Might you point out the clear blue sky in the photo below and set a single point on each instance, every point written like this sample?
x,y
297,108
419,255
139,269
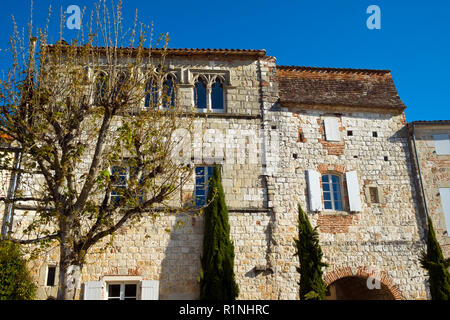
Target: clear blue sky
x,y
414,40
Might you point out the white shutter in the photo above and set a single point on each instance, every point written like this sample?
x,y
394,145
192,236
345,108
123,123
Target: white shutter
x,y
332,129
149,290
445,200
93,290
442,144
314,191
354,196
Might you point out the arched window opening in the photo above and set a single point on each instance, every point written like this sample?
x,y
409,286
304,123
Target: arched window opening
x,y
332,192
217,102
151,93
200,94
169,92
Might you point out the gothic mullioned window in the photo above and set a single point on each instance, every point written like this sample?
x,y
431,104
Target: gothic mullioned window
x,y
209,94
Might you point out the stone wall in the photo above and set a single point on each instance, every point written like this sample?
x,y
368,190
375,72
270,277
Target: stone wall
x,y
435,174
262,196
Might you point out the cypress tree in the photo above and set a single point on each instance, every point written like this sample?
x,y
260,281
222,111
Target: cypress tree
x,y
433,261
217,280
309,252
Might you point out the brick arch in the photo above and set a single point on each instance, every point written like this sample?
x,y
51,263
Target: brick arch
x,y
364,272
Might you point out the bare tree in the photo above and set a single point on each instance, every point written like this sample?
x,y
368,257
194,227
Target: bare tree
x,y
95,130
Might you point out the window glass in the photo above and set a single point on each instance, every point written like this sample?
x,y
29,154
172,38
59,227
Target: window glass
x,y
100,86
114,292
51,272
130,292
202,177
200,94
331,188
169,93
151,93
217,96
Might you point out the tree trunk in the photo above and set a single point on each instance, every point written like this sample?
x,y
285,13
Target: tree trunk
x,y
69,271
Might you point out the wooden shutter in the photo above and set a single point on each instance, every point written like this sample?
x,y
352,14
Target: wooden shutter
x,y
93,290
314,191
445,200
149,290
442,144
332,129
354,197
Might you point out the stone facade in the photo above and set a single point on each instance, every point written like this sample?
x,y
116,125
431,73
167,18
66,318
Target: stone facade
x,y
288,136
432,173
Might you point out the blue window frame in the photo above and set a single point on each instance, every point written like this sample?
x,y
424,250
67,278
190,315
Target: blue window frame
x,y
332,196
202,177
120,176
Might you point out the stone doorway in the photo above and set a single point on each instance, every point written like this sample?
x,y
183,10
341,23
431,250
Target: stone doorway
x,y
355,288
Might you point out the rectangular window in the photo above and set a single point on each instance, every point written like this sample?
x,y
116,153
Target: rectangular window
x,y
202,176
332,192
122,291
51,276
120,176
442,144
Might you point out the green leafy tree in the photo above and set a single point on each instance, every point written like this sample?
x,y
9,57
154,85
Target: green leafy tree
x,y
433,261
15,279
309,252
217,280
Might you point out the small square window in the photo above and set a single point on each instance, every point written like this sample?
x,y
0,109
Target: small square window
x,y
51,276
374,134
349,133
386,158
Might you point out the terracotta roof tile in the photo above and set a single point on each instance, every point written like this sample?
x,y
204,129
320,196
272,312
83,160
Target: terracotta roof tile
x,y
338,86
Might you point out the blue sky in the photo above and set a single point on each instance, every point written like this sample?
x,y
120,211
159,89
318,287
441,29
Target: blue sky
x,y
413,42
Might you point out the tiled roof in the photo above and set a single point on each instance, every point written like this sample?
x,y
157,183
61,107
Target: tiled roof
x,y
429,122
193,51
337,86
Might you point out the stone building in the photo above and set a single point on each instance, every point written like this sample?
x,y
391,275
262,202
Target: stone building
x,y
430,147
334,141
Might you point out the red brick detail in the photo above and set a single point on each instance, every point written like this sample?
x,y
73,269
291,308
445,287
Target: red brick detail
x,y
329,223
363,272
325,168
332,147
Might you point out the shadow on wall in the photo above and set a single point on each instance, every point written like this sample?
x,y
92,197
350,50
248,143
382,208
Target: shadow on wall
x,y
180,267
418,213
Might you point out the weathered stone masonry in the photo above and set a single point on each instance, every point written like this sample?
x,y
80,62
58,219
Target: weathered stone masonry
x,y
287,108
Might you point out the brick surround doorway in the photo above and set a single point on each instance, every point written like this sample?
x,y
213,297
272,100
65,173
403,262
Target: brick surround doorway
x,y
355,288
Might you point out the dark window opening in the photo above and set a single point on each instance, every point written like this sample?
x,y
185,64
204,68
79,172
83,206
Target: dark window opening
x,y
100,87
217,96
169,93
386,158
374,134
373,191
151,93
200,94
51,275
349,133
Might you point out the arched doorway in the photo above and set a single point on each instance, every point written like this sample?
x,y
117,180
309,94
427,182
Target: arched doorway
x,y
357,288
